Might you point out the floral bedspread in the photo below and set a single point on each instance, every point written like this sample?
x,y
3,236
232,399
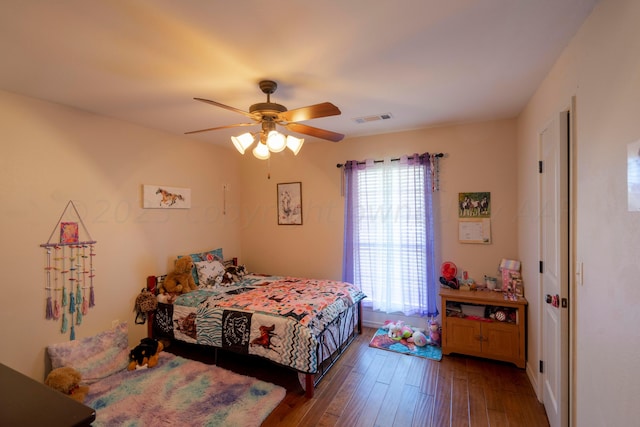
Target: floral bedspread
x,y
274,317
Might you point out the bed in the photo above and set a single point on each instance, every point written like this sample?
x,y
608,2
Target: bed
x,y
303,324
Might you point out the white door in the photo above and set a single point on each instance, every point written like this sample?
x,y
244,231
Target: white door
x,y
554,247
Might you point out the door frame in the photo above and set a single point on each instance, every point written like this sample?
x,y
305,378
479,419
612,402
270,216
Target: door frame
x,y
573,273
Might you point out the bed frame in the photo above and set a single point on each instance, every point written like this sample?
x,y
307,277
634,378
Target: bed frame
x,y
332,342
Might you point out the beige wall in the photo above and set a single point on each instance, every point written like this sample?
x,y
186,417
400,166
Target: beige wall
x,y
479,157
52,154
601,67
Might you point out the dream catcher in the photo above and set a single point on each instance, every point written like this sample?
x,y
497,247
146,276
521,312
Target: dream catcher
x,y
69,273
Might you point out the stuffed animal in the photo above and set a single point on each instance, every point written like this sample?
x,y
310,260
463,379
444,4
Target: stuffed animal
x,y
145,355
387,324
237,272
180,280
434,332
225,278
167,298
418,338
395,331
67,381
406,331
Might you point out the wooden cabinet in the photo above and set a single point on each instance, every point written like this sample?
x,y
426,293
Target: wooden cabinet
x,y
478,334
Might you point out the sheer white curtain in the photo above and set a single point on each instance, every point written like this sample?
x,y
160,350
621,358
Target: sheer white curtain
x,y
388,242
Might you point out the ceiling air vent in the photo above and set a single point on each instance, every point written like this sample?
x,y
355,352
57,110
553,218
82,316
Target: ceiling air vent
x,y
367,119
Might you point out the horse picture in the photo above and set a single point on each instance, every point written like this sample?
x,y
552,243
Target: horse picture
x,y
474,205
163,197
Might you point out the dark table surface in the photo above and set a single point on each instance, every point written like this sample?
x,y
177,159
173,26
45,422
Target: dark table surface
x,y
26,402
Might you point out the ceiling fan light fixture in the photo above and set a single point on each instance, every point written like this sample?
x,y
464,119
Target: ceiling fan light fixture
x,y
261,151
242,142
276,141
294,144
268,115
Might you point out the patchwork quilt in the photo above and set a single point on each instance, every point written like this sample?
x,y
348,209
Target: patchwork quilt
x,y
274,317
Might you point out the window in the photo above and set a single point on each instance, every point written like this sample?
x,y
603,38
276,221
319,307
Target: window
x,y
388,243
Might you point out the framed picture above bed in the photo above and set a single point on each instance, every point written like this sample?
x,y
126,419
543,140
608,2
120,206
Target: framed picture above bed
x,y
290,203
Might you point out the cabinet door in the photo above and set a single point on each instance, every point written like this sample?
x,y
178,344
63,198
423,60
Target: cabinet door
x,y
501,340
463,335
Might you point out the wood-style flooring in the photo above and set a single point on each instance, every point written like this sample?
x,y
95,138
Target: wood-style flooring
x,y
373,387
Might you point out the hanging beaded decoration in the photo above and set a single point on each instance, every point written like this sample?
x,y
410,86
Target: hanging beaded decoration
x,y
69,278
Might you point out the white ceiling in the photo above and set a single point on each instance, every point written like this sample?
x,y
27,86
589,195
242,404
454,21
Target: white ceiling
x,y
427,62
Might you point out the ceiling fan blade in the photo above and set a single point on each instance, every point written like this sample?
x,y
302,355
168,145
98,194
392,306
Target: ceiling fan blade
x,y
226,107
311,131
316,111
220,127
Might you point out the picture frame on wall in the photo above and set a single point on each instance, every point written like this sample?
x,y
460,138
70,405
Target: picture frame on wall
x,y
165,197
69,232
290,203
474,205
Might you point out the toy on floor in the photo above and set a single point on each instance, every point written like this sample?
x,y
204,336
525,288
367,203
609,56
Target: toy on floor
x,y
419,338
434,332
399,331
145,354
67,381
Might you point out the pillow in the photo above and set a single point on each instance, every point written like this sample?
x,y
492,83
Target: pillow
x,y
208,272
94,357
214,254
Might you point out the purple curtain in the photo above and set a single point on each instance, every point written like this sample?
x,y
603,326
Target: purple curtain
x,y
389,234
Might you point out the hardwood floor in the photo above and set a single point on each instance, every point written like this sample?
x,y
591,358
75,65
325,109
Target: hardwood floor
x,y
373,387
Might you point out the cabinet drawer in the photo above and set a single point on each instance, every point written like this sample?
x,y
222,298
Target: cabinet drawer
x,y
463,335
501,340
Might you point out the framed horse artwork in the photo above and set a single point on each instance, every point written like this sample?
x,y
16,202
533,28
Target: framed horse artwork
x,y
163,197
474,205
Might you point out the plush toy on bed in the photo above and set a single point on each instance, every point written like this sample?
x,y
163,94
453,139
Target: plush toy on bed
x,y
225,278
237,271
145,355
232,274
180,280
67,381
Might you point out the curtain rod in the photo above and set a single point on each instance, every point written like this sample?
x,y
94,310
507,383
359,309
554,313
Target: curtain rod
x,y
339,165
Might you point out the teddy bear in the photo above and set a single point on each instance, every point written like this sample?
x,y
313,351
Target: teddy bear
x,y
67,381
180,280
145,355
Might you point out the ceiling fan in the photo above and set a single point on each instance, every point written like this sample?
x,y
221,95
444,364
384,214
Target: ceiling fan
x,y
268,115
